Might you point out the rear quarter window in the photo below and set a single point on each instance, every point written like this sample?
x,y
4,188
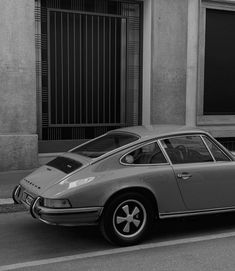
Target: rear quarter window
x,y
147,154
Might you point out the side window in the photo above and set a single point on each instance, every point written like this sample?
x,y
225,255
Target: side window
x,y
186,149
216,152
147,154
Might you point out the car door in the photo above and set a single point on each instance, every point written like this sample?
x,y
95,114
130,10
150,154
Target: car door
x,y
205,174
149,165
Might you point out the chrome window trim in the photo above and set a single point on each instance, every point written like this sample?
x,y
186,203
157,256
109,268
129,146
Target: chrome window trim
x,y
212,141
204,142
164,152
140,146
193,134
88,141
93,160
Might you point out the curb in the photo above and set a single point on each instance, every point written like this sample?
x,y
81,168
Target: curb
x,y
6,201
8,206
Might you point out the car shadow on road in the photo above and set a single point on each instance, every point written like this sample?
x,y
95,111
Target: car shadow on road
x,y
193,226
89,238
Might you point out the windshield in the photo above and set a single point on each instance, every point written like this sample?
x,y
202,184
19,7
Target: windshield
x,y
105,144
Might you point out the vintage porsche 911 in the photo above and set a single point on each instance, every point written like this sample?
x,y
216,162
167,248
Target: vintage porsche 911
x,y
127,178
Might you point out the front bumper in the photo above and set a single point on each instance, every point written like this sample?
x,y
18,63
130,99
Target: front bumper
x,y
65,217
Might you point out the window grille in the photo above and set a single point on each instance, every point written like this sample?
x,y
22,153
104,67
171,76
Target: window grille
x,y
90,67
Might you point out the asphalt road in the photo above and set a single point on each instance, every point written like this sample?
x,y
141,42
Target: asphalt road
x,y
205,243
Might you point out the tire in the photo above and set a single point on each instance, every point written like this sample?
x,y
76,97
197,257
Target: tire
x,y
127,219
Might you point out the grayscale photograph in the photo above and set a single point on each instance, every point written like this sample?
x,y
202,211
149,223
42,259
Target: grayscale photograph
x,y
117,135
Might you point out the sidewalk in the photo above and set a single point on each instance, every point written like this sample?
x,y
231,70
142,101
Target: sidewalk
x,y
8,181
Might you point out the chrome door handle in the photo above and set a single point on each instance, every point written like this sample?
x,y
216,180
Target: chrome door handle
x,y
184,176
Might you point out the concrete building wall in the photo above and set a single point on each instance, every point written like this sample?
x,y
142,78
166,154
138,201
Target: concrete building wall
x,y
171,54
169,61
18,139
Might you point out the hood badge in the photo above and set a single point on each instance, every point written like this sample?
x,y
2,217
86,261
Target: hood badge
x,y
31,183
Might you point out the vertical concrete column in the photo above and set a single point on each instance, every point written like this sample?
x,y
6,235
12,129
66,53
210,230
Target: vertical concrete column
x,y
169,58
192,63
147,51
18,139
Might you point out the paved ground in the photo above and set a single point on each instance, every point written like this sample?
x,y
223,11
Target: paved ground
x,y
200,243
205,243
193,256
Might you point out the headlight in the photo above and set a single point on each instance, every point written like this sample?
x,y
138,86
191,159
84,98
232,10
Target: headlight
x,y
56,203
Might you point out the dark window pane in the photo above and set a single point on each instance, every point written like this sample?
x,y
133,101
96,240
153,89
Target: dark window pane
x,y
105,144
148,154
216,152
186,149
64,164
219,80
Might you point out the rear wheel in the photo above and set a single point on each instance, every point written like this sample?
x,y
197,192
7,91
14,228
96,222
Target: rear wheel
x,y
127,219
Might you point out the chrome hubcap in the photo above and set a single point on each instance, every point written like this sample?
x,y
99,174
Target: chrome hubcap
x,y
129,218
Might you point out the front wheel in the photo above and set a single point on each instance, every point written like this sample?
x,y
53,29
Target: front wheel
x,y
127,219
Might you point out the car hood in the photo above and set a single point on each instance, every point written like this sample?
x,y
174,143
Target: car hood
x,y
54,172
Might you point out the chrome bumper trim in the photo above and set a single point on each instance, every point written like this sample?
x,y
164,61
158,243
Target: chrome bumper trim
x,y
15,194
69,210
66,217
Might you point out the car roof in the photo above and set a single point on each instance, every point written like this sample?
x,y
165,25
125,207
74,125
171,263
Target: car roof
x,y
152,131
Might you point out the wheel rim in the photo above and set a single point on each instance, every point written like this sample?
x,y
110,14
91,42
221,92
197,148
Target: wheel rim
x,y
129,218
